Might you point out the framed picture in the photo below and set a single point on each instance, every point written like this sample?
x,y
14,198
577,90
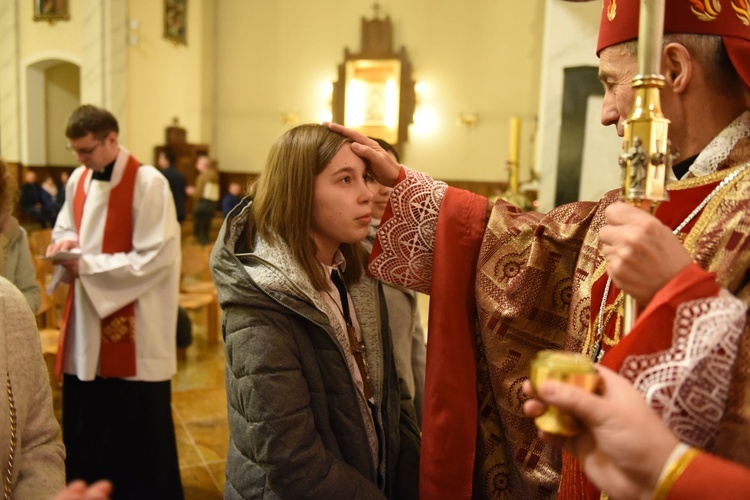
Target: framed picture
x,y
51,10
373,97
175,21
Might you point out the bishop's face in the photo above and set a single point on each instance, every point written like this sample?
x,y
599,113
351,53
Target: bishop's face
x,y
617,67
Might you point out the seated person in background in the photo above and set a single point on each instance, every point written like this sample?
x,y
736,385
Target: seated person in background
x,y
315,403
16,263
627,452
35,201
409,346
231,199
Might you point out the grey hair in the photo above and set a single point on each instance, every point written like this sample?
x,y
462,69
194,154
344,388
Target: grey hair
x,y
708,50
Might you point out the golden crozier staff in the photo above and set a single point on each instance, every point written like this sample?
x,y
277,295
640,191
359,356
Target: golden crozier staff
x,y
646,155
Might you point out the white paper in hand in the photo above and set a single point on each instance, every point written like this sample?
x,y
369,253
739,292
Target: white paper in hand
x,y
62,255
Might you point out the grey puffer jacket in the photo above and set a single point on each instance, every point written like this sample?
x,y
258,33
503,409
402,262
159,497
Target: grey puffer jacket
x,y
296,429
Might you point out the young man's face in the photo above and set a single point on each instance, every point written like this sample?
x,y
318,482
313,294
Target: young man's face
x,y
93,153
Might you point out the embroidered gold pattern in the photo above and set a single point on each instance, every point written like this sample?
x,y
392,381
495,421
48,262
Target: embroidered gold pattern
x,y
692,182
706,218
118,329
709,211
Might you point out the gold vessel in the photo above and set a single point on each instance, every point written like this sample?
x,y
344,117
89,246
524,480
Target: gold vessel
x,y
569,368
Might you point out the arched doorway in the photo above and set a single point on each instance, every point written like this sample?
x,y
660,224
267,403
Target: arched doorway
x,y
53,91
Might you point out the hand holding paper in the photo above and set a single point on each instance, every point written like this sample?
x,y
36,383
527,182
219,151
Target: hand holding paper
x,y
63,255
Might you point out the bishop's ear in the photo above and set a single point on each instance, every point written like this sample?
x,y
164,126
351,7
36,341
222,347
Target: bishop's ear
x,y
677,66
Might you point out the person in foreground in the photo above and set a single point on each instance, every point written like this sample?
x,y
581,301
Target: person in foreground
x,y
117,343
530,281
627,451
33,458
314,400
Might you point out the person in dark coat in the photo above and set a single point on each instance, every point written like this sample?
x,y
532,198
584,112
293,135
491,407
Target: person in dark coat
x,y
231,199
176,179
35,201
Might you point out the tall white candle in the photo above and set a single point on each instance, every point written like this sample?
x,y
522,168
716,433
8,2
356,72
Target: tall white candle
x,y
513,147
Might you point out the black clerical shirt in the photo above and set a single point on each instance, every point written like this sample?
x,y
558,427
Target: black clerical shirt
x,y
105,175
681,168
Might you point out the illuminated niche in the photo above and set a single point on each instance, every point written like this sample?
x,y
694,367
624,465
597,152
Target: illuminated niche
x,y
375,93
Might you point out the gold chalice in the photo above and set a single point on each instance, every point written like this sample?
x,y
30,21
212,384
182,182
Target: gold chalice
x,y
569,368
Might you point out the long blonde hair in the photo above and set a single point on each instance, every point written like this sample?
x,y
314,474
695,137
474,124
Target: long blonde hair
x,y
283,197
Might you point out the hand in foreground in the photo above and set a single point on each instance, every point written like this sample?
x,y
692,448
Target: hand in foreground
x,y
642,253
624,444
77,490
384,168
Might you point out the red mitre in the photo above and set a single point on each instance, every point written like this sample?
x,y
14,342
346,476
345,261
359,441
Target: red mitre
x,y
729,19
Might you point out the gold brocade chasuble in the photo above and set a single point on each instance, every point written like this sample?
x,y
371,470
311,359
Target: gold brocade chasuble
x,y
505,284
528,300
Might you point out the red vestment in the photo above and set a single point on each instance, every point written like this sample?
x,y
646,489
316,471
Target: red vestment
x,y
532,290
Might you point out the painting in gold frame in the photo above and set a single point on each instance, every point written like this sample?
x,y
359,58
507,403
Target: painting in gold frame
x,y
51,10
373,97
175,21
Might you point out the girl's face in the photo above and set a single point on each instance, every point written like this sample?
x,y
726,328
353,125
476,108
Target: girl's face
x,y
380,194
341,211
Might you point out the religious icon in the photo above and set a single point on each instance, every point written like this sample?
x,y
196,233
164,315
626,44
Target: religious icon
x,y
175,21
51,10
373,97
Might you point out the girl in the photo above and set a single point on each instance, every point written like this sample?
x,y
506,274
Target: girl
x,y
315,408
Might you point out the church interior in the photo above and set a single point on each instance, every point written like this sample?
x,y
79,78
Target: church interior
x,y
492,96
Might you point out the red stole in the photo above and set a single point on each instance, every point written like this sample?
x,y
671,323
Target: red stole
x,y
117,355
653,329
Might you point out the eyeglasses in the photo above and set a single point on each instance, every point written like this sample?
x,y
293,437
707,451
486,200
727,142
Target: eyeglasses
x,y
83,151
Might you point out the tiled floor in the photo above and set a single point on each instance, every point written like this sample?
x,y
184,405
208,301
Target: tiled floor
x,y
199,409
